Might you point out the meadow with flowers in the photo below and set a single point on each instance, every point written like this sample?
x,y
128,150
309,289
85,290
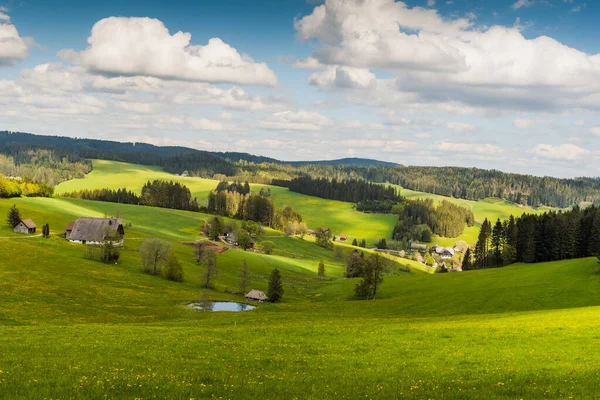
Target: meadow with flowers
x,y
76,328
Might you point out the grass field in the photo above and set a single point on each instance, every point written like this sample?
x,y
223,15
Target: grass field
x,y
339,216
75,328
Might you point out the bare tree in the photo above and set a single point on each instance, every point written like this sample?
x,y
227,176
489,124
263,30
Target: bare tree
x,y
199,247
153,252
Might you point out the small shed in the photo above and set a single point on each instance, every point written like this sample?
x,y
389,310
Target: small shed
x,y
26,226
256,295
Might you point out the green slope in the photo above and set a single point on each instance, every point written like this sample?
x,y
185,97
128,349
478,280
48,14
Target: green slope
x,y
336,215
74,328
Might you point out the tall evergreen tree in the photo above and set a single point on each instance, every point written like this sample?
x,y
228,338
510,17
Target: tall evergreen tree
x,y
14,216
467,263
275,290
496,242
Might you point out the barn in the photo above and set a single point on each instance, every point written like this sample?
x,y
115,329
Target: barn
x,y
89,230
26,226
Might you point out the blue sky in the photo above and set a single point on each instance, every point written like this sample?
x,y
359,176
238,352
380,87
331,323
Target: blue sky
x,y
512,85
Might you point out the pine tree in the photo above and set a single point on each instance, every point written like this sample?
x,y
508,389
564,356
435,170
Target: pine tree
x,y
467,263
321,272
594,237
354,242
244,279
14,216
275,290
497,235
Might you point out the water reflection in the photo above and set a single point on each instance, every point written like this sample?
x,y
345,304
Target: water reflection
x,y
222,306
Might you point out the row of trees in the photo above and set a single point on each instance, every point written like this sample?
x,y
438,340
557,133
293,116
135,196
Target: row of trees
x,y
234,186
122,196
352,190
419,219
532,238
10,187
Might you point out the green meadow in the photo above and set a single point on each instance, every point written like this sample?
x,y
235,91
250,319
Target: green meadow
x,y
76,328
339,216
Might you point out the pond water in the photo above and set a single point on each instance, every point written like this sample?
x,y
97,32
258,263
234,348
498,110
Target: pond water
x,y
223,306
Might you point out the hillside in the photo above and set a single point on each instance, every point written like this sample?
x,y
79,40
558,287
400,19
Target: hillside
x,y
65,313
336,215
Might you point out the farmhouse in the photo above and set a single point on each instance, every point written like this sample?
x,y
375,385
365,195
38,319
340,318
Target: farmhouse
x,y
256,295
232,239
26,226
443,252
88,230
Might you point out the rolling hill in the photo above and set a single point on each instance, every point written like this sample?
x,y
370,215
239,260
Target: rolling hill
x,y
75,328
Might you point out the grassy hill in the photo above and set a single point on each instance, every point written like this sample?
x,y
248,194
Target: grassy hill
x,y
75,328
336,215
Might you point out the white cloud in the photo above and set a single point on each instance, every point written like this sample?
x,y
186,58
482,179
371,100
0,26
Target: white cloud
x,y
564,152
137,107
343,77
296,121
437,61
13,47
522,3
470,148
388,146
206,124
595,130
430,3
460,127
144,46
527,123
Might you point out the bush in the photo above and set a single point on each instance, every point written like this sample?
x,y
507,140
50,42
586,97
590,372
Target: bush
x,y
268,247
173,268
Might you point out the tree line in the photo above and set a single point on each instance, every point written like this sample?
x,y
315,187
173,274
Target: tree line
x,y
419,219
352,190
156,194
463,183
10,187
530,238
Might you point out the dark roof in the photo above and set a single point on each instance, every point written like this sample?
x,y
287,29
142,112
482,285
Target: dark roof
x,y
94,229
29,223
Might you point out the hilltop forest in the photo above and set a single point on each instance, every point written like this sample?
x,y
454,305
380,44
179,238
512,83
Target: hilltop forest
x,y
68,158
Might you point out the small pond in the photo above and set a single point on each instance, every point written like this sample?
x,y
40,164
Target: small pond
x,y
223,306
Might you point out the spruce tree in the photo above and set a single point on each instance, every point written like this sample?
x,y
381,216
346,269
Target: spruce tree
x,y
467,263
275,290
14,216
497,234
321,272
354,242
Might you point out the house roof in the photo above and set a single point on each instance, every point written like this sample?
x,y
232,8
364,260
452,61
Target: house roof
x,y
94,229
69,226
442,250
29,223
256,295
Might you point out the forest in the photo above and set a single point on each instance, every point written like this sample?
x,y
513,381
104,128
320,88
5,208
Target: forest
x,y
156,194
463,183
530,238
10,187
419,219
352,190
235,200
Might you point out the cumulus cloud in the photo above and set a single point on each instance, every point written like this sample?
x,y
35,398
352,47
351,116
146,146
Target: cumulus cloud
x,y
296,121
439,61
143,46
522,3
563,152
13,47
470,148
460,127
343,77
520,123
206,124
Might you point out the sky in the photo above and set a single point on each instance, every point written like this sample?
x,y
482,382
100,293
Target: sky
x,y
511,85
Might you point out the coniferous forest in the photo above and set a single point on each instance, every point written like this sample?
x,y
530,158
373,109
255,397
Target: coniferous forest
x,y
551,236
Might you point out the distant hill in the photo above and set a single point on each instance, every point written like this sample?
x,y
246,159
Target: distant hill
x,y
359,162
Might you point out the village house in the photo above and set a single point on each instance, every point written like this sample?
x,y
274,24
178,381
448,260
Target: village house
x,y
26,226
88,230
256,295
443,252
232,239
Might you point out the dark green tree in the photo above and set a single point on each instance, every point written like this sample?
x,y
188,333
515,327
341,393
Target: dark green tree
x,y
244,240
467,263
321,271
275,290
14,216
354,242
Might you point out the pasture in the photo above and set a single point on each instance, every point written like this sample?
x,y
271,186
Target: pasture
x,y
339,216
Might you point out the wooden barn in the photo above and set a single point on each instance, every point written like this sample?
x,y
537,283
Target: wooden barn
x,y
88,230
26,226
